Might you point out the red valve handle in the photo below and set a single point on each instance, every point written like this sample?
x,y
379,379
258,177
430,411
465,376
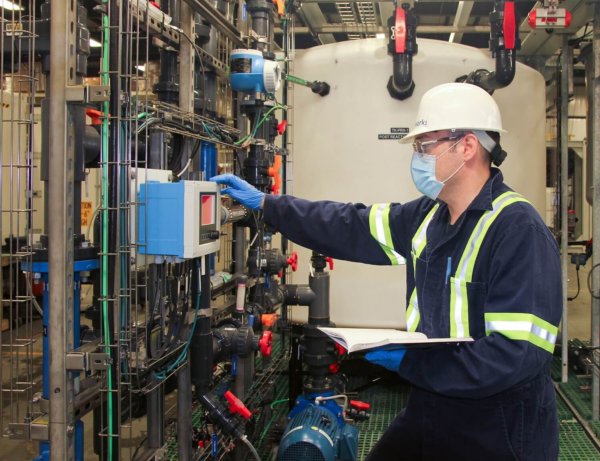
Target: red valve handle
x,y
266,343
293,261
360,405
509,26
236,405
400,30
330,262
282,127
95,115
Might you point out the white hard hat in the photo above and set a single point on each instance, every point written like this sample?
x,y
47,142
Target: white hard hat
x,y
456,106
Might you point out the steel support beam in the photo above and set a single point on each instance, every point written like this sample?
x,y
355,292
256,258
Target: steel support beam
x,y
595,114
461,19
215,18
385,11
186,103
312,15
60,228
374,29
565,58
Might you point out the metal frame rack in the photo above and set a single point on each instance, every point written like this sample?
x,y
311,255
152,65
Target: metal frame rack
x,y
151,103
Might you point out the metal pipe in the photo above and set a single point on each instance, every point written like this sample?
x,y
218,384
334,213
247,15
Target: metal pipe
x,y
595,104
564,185
186,103
155,417
60,231
184,412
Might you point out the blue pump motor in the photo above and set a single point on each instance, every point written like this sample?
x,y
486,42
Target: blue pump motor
x,y
252,73
317,434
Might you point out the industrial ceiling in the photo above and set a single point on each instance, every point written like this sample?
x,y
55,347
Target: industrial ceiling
x,y
328,21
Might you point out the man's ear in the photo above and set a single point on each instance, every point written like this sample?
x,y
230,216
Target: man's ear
x,y
471,147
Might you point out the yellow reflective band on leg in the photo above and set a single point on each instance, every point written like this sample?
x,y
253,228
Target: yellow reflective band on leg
x,y
524,327
379,225
412,313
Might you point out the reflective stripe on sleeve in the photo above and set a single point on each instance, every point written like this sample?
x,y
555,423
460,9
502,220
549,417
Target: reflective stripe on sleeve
x,y
525,327
419,242
379,224
412,312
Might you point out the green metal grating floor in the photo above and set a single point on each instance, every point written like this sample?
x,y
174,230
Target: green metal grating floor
x,y
388,399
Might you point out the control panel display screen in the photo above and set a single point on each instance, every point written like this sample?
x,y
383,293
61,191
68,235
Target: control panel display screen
x,y
208,215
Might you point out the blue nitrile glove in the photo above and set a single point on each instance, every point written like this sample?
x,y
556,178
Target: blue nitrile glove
x,y
390,359
247,195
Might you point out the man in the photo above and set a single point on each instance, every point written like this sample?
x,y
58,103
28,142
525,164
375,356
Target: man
x,y
480,263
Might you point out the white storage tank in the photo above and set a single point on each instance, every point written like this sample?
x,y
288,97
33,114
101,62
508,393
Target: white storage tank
x,y
342,150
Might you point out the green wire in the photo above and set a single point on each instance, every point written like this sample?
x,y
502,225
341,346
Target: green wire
x,y
259,124
278,402
104,286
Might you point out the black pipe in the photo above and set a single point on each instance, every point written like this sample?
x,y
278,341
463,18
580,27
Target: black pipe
x,y
202,342
298,295
506,58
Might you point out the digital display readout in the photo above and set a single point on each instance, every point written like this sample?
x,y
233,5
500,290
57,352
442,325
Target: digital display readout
x,y
207,209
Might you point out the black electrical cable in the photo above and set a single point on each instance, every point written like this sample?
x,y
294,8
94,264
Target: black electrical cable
x,y
589,281
578,286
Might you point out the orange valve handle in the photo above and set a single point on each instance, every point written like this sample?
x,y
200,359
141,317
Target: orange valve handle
x,y
293,261
266,343
268,320
274,172
237,406
95,115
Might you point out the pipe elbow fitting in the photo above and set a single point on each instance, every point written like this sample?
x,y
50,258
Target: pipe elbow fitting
x,y
401,85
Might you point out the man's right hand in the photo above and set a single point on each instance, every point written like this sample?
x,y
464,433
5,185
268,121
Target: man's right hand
x,y
240,190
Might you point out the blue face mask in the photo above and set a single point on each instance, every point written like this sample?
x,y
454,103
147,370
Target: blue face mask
x,y
422,170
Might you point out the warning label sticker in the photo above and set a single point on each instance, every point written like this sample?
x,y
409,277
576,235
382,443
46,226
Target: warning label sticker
x,y
86,212
395,133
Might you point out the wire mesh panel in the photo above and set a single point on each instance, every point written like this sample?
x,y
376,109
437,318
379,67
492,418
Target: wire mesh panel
x,y
19,320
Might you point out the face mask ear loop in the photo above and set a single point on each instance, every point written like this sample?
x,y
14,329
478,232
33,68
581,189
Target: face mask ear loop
x,y
455,171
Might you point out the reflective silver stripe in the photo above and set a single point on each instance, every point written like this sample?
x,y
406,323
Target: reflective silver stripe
x,y
512,325
475,236
458,309
524,327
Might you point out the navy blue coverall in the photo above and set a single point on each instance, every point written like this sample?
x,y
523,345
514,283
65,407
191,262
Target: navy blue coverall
x,y
491,399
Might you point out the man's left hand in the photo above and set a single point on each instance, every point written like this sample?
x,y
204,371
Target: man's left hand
x,y
390,359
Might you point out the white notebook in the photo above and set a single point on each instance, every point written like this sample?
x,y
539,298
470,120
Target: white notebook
x,y
358,339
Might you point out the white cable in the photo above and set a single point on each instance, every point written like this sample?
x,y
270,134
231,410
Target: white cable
x,y
33,300
333,397
187,165
250,447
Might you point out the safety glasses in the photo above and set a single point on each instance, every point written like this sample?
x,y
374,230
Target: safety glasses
x,y
424,147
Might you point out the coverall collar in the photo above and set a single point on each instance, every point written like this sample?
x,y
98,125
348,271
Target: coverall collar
x,y
483,200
